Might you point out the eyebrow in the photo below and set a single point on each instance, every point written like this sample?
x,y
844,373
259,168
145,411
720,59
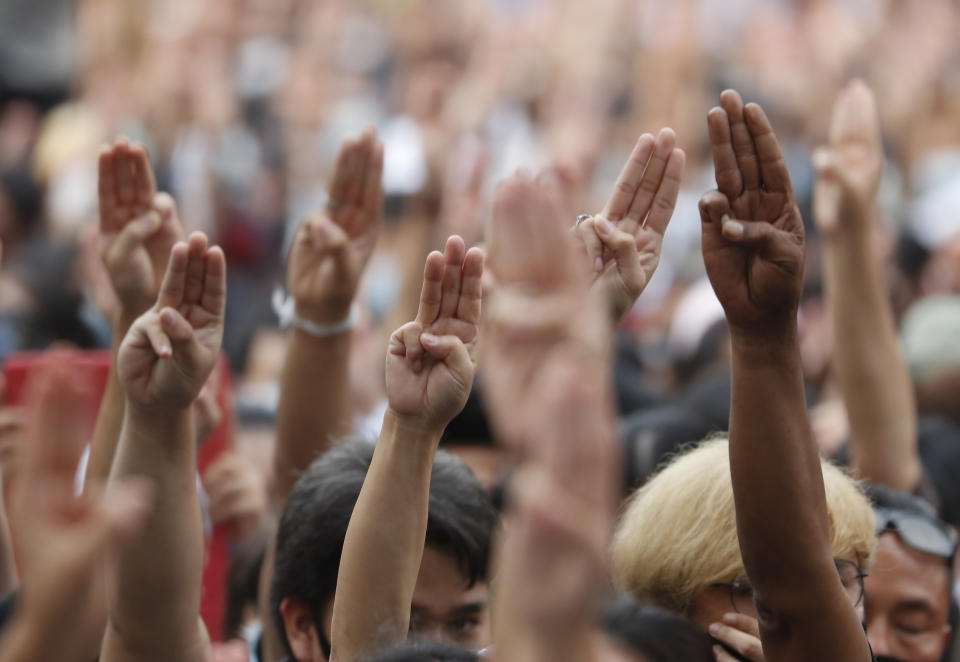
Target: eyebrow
x,y
470,608
914,605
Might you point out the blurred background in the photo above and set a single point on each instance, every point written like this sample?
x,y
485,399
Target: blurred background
x,y
243,103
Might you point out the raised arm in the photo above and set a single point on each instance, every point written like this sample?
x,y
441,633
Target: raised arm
x,y
61,539
873,376
623,241
327,258
163,363
753,246
430,366
546,361
138,227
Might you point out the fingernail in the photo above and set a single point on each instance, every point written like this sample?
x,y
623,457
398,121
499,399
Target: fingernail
x,y
730,619
598,264
717,650
417,365
429,339
714,629
605,226
165,351
731,228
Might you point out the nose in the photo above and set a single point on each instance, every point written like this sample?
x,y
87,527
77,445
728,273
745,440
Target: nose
x,y
877,635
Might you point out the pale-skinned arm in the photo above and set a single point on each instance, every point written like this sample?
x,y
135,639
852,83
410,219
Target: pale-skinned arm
x,y
429,373
872,373
138,227
163,364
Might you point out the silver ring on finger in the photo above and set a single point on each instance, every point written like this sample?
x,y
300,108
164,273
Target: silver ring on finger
x,y
581,218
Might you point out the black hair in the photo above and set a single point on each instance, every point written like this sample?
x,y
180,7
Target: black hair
x,y
426,652
243,581
461,521
884,497
655,633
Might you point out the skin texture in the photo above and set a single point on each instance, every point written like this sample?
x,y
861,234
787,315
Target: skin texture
x,y
907,602
548,370
61,539
752,240
429,373
872,374
624,240
445,609
328,256
163,364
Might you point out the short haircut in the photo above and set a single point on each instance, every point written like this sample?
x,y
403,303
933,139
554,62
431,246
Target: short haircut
x,y
656,634
461,522
678,534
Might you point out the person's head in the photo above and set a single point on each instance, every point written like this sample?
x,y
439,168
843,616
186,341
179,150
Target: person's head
x,y
676,543
639,633
909,587
450,601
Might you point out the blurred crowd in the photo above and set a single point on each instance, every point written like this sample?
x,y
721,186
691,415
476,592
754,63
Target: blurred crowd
x,y
243,107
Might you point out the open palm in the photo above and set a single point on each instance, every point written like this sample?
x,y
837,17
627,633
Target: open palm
x,y
331,249
430,361
170,350
752,231
138,226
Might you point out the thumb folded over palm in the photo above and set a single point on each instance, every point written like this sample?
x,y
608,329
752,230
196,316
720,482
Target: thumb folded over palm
x,y
431,360
752,233
170,350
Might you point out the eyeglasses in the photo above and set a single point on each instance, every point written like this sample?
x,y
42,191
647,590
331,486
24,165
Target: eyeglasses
x,y
923,533
742,598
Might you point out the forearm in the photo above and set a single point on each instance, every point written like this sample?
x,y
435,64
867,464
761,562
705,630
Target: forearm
x,y
106,432
314,406
873,376
384,543
777,482
23,642
8,567
167,559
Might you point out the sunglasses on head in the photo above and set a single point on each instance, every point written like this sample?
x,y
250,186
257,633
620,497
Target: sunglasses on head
x,y
920,532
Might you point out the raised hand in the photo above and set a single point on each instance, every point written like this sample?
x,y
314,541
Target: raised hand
x,y
170,350
61,538
431,360
624,240
850,166
138,226
331,248
542,299
752,231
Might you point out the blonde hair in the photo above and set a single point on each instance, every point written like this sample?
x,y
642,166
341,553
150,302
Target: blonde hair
x,y
678,534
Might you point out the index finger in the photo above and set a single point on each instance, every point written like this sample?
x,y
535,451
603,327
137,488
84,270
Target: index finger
x,y
431,293
727,172
174,281
773,167
626,187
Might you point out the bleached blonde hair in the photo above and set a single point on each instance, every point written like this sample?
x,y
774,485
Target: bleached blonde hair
x,y
678,534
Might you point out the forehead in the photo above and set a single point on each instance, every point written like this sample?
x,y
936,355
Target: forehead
x,y
902,573
441,587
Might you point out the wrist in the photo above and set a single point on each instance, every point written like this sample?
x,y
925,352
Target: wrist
x,y
769,342
157,415
323,314
415,428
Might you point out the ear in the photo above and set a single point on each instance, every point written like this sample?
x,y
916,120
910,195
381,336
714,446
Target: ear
x,y
301,632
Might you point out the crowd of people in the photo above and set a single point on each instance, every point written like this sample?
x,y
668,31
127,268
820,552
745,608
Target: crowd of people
x,y
497,367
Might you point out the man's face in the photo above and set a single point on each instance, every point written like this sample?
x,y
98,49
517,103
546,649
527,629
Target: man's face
x,y
907,602
444,608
